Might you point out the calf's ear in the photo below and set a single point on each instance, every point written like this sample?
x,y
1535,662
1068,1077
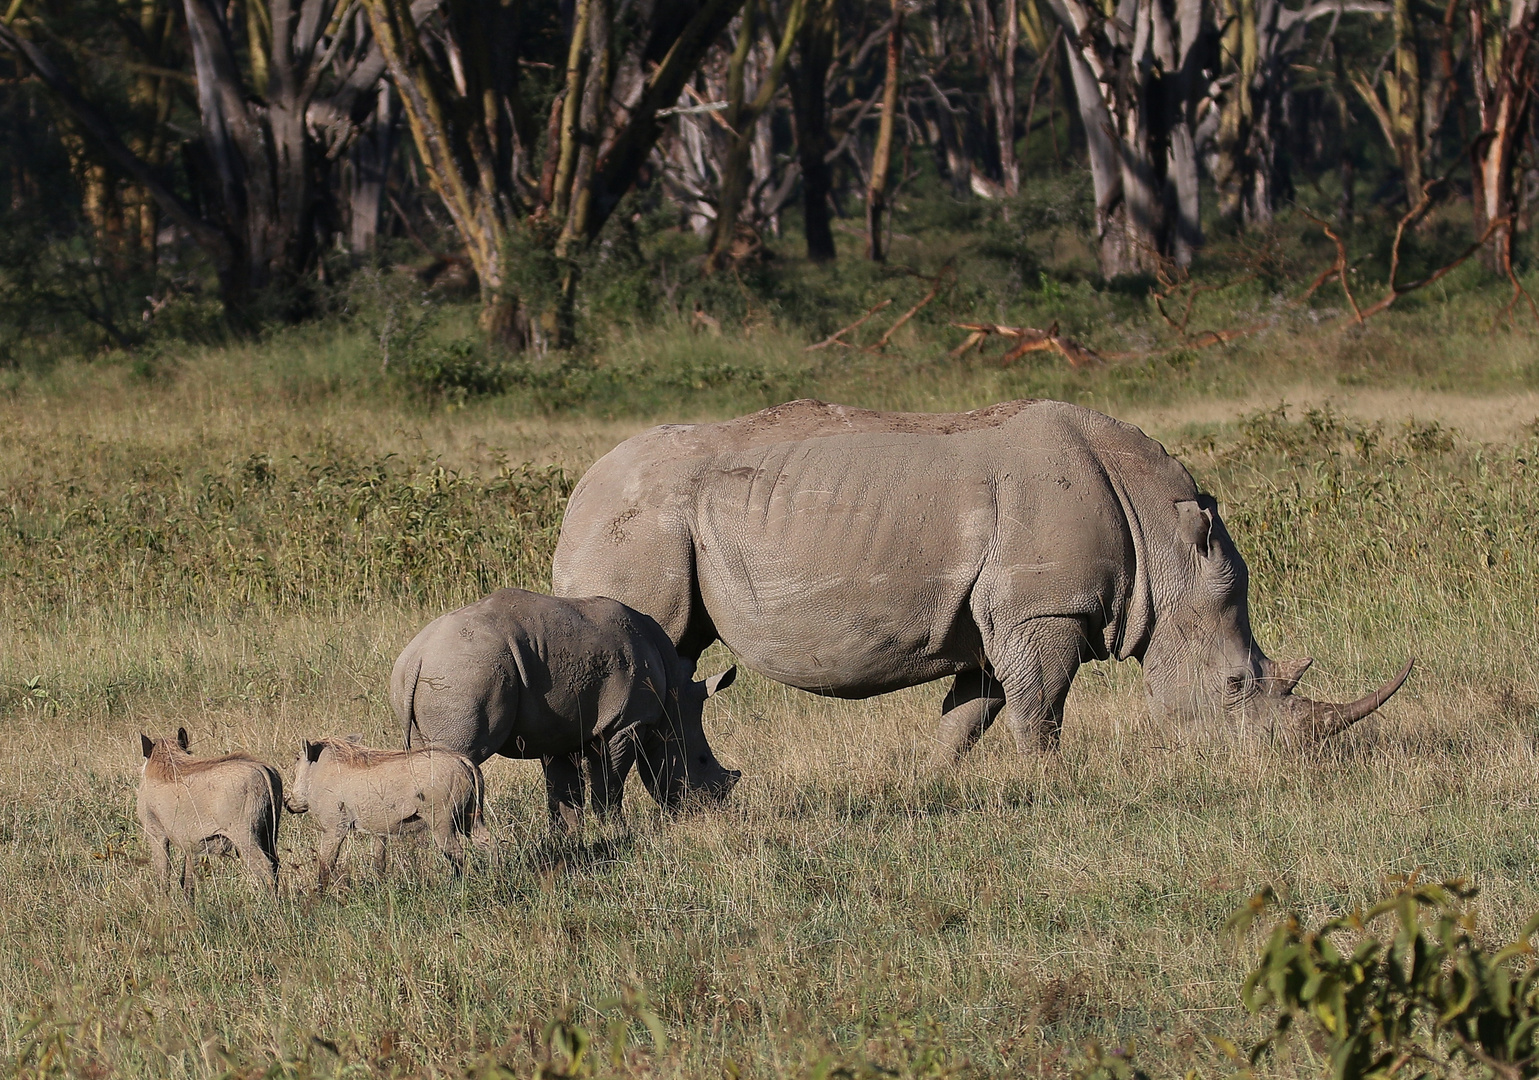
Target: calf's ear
x,y
147,743
717,683
313,751
182,740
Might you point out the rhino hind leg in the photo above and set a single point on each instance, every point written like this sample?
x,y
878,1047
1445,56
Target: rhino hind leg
x,y
966,713
564,792
1036,663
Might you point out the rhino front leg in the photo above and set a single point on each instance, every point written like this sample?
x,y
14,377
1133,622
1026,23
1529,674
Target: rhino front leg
x,y
1036,663
564,792
609,763
966,713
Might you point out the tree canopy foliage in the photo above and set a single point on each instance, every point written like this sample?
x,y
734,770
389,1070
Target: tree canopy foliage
x,y
240,151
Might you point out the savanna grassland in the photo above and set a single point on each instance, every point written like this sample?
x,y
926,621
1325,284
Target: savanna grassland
x,y
240,538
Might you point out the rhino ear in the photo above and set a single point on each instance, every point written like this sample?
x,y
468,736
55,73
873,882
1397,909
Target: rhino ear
x,y
147,743
313,751
717,683
1194,525
182,740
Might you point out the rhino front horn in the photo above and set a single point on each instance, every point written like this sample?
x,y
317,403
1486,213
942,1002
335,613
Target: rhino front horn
x,y
1317,721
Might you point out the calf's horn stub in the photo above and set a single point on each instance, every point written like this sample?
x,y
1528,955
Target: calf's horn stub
x,y
1316,721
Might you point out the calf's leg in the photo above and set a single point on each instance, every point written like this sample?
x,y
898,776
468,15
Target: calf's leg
x,y
966,713
609,763
1035,663
564,792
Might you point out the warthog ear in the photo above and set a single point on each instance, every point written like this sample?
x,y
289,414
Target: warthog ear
x,y
1194,525
313,750
354,739
147,743
182,740
717,683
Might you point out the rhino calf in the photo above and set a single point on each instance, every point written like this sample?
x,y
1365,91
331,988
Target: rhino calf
x,y
208,806
568,681
351,788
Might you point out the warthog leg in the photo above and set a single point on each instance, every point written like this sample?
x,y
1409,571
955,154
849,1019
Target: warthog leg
x,y
160,858
326,859
564,792
966,713
1035,663
446,837
260,863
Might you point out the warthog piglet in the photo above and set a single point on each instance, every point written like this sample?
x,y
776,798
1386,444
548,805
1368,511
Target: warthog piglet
x,y
208,806
384,793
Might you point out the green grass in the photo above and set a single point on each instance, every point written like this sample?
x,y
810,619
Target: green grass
x,y
241,539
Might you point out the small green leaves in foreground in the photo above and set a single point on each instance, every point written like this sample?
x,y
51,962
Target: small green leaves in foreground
x,y
1406,990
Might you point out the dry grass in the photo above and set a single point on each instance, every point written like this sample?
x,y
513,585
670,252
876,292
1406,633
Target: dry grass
x,y
845,902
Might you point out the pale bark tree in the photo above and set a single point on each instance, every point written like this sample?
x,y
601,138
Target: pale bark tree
x,y
1502,65
742,118
269,113
881,156
1139,80
1393,94
1262,41
456,67
996,40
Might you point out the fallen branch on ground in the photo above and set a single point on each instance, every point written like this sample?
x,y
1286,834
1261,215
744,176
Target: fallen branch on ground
x,y
1030,340
935,288
833,339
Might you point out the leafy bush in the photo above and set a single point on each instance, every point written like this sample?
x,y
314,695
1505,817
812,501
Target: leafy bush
x,y
453,371
1409,988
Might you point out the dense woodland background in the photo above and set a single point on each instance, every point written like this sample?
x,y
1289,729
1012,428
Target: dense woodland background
x,y
177,169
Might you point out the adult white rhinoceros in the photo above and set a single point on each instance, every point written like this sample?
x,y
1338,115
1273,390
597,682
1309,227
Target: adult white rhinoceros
x,y
850,552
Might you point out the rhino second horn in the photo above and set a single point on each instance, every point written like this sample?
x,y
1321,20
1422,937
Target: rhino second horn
x,y
1320,720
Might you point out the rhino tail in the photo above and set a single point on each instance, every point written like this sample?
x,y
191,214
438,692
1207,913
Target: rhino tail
x,y
409,714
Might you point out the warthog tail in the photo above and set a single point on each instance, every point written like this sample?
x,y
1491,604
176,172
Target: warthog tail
x,y
410,719
275,807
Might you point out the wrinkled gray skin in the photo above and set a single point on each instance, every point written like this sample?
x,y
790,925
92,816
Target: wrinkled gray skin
x,y
350,788
227,805
851,553
564,680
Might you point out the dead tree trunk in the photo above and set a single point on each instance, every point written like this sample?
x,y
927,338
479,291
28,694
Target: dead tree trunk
x,y
809,105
